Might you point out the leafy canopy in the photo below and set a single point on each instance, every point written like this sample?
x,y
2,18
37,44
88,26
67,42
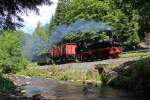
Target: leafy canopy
x,y
11,45
121,15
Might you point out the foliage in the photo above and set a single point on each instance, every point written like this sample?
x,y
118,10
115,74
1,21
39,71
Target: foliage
x,y
32,65
147,39
103,36
11,45
123,16
11,10
132,42
71,37
27,47
40,38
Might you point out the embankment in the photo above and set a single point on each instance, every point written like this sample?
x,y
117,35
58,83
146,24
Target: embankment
x,y
133,75
75,72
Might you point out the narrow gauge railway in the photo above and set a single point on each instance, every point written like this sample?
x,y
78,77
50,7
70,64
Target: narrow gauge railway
x,y
91,49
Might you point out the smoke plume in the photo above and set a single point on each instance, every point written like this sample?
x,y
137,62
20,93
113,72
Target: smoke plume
x,y
80,25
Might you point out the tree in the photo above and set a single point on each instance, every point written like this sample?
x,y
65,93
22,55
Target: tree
x,y
124,22
40,39
147,39
142,7
71,37
11,45
11,11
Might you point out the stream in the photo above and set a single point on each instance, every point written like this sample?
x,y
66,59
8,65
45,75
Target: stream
x,y
52,89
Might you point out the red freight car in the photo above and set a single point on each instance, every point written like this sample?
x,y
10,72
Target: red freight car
x,y
63,51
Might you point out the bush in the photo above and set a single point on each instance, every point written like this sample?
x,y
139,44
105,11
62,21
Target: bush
x,y
22,64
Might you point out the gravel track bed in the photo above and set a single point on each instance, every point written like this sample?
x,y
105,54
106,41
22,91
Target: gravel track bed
x,y
90,65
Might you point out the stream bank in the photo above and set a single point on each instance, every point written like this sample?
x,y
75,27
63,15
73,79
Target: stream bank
x,y
131,75
51,89
77,81
79,74
74,72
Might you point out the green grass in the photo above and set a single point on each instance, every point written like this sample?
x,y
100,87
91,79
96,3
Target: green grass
x,y
32,65
62,74
140,54
33,73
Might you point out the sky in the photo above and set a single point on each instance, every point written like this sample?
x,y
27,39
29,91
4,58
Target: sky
x,y
32,19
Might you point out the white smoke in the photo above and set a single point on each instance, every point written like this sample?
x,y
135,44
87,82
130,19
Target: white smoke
x,y
80,25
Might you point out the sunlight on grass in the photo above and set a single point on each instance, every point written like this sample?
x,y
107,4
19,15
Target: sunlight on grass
x,y
55,72
140,54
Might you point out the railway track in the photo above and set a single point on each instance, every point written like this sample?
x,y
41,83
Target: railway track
x,y
89,65
136,51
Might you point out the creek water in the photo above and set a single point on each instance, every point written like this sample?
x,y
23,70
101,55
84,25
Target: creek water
x,y
60,90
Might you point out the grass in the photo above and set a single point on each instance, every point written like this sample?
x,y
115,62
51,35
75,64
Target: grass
x,y
33,73
33,65
138,54
55,72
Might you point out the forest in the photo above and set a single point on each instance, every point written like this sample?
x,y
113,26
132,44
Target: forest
x,y
128,19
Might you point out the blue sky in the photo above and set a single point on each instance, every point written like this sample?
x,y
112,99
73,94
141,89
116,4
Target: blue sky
x,y
46,13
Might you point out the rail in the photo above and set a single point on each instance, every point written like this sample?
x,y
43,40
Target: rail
x,y
137,51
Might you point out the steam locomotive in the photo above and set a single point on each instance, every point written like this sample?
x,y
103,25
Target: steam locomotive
x,y
90,49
